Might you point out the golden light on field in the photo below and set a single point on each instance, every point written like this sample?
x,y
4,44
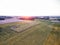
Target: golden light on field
x,y
26,17
27,21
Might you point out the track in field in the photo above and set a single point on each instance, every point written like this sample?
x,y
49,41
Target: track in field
x,y
32,36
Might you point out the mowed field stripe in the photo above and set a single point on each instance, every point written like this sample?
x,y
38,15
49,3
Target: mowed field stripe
x,y
27,33
21,33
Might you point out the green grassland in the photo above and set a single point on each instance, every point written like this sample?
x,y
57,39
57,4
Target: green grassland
x,y
41,34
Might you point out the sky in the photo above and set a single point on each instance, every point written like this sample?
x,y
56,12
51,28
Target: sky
x,y
30,7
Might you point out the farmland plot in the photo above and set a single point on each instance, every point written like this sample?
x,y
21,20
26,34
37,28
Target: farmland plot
x,y
35,35
39,34
20,28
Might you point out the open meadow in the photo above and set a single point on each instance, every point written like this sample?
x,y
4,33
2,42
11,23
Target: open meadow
x,y
42,33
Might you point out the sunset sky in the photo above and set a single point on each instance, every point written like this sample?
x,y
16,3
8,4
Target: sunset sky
x,y
30,7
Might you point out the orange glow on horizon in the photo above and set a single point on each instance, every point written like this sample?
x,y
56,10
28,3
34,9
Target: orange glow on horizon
x,y
26,17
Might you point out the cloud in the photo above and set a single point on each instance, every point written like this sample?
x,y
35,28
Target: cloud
x,y
29,7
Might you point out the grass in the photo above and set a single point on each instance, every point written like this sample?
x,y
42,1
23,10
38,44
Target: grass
x,y
54,36
56,24
35,32
6,32
37,35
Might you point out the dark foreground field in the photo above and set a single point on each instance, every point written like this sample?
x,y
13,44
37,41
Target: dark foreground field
x,y
44,33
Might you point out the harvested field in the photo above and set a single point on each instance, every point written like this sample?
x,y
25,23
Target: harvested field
x,y
20,28
39,34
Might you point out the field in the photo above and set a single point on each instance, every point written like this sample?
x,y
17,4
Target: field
x,y
40,34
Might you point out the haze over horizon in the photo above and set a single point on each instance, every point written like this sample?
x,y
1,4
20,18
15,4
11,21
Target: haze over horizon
x,y
30,7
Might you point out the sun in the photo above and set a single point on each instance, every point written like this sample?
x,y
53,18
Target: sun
x,y
26,17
